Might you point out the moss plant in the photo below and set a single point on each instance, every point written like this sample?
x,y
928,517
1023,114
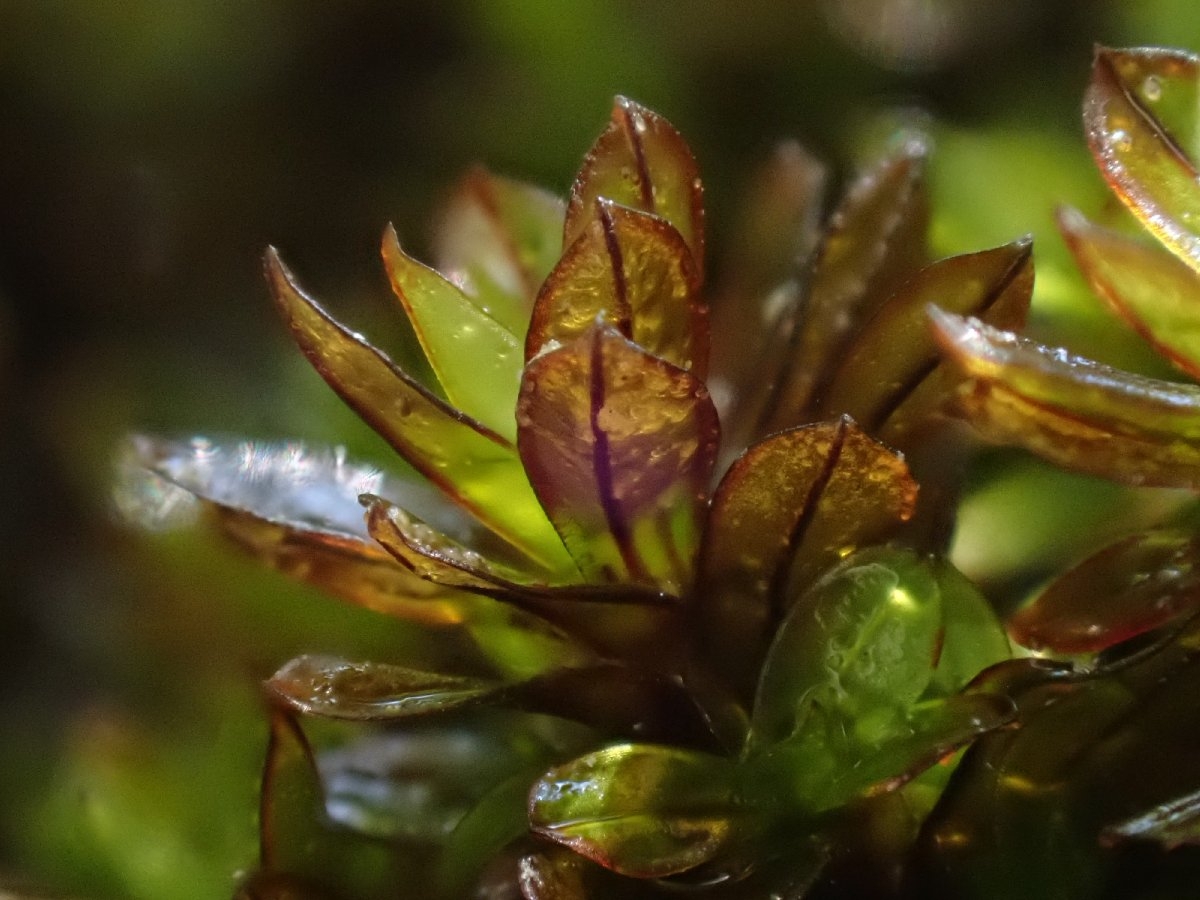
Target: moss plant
x,y
692,537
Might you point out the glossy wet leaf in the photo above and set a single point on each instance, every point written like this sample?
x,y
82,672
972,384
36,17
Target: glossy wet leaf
x,y
476,467
642,162
619,446
1136,151
498,240
874,242
860,644
476,359
894,357
1172,824
1073,411
972,637
639,809
333,688
833,760
786,510
632,271
1133,586
1152,290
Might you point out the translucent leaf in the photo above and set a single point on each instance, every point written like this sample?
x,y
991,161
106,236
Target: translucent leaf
x,y
894,355
972,638
639,809
874,242
473,465
1133,586
291,804
1072,411
338,689
547,875
861,644
1172,824
1136,151
476,359
498,239
785,511
640,161
1152,290
297,510
620,446
632,271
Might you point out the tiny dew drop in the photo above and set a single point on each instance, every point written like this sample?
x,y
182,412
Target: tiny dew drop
x,y
1152,88
1122,140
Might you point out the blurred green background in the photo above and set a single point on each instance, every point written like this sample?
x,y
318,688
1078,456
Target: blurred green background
x,y
152,150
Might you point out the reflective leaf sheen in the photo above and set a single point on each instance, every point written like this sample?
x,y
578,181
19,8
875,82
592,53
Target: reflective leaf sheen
x,y
1131,587
473,465
640,161
1152,290
633,271
1072,411
498,240
641,810
787,509
338,689
1172,824
619,446
894,355
476,359
1136,152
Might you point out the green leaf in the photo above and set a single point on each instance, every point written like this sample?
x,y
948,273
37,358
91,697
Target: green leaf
x,y
875,241
338,689
1152,290
1140,583
1136,151
1073,411
640,161
972,638
476,359
860,645
639,809
473,465
292,803
498,239
785,511
893,360
619,446
633,271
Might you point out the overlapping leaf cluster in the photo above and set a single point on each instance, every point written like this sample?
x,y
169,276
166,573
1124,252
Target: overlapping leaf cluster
x,y
701,661
1099,791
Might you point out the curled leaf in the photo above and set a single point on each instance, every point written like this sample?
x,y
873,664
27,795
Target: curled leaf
x,y
633,271
1152,290
1073,411
338,689
894,357
619,446
498,239
786,510
640,161
1137,153
473,465
1133,586
641,810
476,359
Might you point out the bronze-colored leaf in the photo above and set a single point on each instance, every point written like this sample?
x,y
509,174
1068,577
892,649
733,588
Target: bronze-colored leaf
x,y
498,239
1133,586
371,692
642,162
291,803
553,874
476,359
1138,155
473,465
874,243
786,510
620,446
894,355
1073,411
633,271
1151,290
